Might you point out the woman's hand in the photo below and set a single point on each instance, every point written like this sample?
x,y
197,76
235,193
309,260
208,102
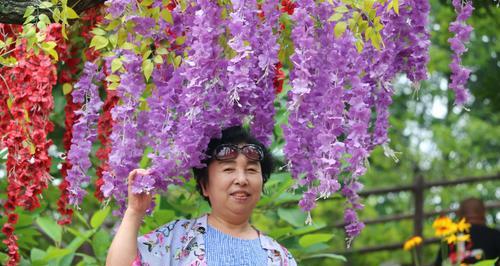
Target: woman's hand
x,y
138,204
123,249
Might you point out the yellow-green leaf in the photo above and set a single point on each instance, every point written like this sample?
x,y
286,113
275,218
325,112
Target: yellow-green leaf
x,y
99,42
70,13
340,28
48,47
113,24
113,78
335,17
359,45
147,68
158,59
146,3
67,88
45,5
180,40
368,33
32,146
167,16
9,103
56,15
116,64
98,31
395,4
29,10
44,18
113,86
26,116
177,61
341,9
127,46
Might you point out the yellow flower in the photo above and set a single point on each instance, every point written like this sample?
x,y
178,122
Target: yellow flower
x,y
451,239
463,238
412,242
444,226
463,226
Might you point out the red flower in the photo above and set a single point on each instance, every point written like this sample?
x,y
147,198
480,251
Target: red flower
x,y
7,229
288,6
12,218
279,78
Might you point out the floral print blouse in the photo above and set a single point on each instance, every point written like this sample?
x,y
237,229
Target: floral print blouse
x,y
181,242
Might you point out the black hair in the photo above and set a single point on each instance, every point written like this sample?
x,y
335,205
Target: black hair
x,y
232,135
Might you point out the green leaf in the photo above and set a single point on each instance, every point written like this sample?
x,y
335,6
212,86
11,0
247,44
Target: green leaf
x,y
294,217
100,243
37,254
340,28
99,42
116,64
51,228
311,239
147,68
99,217
486,263
29,10
56,253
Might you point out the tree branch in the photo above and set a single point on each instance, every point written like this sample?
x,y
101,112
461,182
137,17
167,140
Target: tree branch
x,y
12,11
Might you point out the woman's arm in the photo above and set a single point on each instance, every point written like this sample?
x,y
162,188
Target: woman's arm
x,y
123,249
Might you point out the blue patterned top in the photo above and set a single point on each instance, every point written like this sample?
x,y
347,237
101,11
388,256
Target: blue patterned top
x,y
182,243
226,250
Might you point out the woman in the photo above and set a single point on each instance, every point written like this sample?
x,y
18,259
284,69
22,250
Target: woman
x,y
238,165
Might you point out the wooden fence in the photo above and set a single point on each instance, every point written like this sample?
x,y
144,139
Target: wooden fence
x,y
417,189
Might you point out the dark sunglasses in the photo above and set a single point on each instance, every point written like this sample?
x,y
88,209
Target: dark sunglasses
x,y
227,152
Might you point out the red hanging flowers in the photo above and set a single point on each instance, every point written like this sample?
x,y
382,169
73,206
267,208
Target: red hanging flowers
x,y
27,102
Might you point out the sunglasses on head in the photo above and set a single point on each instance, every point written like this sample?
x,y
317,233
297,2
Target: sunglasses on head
x,y
227,152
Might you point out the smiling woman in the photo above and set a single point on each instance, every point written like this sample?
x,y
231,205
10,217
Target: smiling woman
x,y
237,166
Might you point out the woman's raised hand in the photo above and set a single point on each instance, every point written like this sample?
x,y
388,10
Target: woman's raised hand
x,y
138,204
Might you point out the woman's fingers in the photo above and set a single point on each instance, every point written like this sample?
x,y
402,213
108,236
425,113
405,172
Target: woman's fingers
x,y
134,173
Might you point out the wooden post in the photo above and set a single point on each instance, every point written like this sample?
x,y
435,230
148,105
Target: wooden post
x,y
418,221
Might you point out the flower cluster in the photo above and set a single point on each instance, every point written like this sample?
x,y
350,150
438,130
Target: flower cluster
x,y
85,92
459,73
27,87
180,114
454,235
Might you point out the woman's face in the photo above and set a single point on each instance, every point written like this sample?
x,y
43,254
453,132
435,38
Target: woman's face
x,y
234,186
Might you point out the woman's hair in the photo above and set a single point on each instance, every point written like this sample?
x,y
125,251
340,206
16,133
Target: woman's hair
x,y
232,135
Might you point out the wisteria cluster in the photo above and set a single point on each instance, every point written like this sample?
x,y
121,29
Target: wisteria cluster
x,y
84,131
339,133
459,73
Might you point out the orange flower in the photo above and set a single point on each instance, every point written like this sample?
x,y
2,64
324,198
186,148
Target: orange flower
x,y
412,242
444,226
